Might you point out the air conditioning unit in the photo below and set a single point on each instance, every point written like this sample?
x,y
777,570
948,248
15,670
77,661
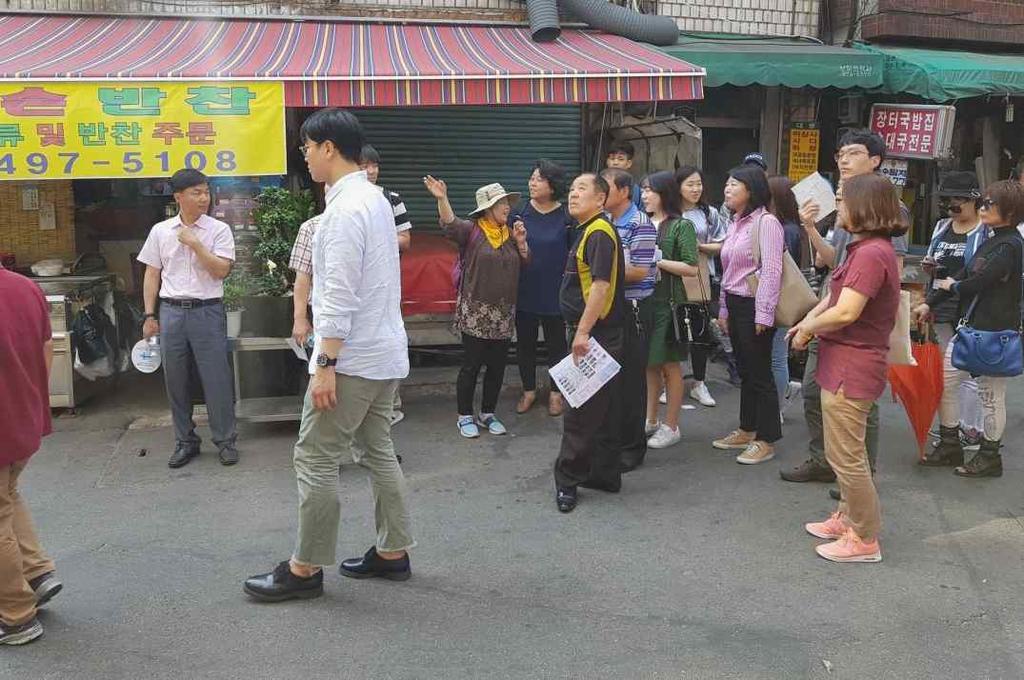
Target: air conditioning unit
x,y
851,109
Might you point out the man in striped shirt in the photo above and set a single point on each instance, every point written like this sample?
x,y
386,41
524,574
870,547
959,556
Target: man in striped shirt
x,y
639,239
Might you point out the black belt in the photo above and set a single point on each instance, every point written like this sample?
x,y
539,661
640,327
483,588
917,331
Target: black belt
x,y
190,304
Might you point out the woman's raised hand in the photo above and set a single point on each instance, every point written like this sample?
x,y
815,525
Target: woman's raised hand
x,y
437,187
519,232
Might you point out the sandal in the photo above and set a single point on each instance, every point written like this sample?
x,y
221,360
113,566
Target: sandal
x,y
556,404
526,402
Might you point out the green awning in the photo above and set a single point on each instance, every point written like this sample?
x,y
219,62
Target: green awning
x,y
738,60
942,75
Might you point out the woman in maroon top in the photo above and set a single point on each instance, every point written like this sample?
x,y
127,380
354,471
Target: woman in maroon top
x,y
853,326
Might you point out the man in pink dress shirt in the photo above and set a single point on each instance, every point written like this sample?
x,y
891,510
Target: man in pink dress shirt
x,y
187,258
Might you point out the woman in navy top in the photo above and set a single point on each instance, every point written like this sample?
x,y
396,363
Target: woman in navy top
x,y
547,224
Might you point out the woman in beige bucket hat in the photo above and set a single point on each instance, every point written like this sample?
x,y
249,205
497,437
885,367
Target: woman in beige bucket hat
x,y
490,256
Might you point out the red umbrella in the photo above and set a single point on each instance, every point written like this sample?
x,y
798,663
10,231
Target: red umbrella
x,y
919,388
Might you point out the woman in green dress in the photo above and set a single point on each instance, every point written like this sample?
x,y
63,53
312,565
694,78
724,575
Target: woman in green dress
x,y
677,244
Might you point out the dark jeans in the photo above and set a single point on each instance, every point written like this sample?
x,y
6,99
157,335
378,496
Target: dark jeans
x,y
759,402
477,353
527,325
591,440
634,382
812,414
704,345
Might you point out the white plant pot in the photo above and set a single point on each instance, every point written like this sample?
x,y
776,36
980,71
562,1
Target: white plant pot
x,y
234,323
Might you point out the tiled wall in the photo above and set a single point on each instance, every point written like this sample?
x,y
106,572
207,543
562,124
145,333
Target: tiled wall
x,y
749,17
19,229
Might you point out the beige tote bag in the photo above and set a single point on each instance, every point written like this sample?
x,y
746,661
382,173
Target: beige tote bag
x,y
796,297
900,353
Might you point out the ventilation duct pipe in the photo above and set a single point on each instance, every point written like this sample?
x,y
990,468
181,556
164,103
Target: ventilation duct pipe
x,y
601,14
543,20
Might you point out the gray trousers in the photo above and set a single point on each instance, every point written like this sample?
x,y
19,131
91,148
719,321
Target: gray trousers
x,y
363,417
812,414
199,333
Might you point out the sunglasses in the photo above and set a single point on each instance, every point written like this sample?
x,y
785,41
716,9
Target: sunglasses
x,y
987,203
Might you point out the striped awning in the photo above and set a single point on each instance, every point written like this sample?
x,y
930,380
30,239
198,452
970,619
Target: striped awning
x,y
349,64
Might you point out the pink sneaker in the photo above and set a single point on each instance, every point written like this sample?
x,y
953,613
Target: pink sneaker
x,y
851,548
832,528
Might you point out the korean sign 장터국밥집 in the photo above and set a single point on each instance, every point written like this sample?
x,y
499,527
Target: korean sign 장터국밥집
x,y
923,131
64,130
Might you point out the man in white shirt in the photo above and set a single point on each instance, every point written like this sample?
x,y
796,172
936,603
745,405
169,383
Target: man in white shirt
x,y
187,258
360,353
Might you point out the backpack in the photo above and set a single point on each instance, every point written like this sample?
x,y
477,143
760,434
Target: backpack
x,y
474,236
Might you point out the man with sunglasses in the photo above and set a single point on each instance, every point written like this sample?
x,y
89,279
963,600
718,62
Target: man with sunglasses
x,y
860,152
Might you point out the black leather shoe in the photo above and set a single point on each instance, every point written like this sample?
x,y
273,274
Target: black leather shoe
x,y
183,453
629,465
809,471
565,498
281,584
228,455
45,587
834,494
372,565
609,487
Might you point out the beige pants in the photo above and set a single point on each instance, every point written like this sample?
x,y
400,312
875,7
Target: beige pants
x,y
846,422
21,557
326,438
991,395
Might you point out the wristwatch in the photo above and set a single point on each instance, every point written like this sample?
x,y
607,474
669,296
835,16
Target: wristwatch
x,y
148,315
323,361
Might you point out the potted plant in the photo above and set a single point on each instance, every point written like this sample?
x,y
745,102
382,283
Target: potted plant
x,y
237,285
278,215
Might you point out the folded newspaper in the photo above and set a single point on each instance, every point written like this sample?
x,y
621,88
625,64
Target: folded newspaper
x,y
580,381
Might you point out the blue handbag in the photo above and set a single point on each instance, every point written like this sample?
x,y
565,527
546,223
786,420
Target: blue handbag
x,y
991,353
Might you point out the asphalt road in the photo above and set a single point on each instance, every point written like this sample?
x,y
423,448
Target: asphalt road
x,y
700,568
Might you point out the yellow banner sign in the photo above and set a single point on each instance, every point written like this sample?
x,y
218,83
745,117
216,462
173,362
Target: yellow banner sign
x,y
804,145
58,130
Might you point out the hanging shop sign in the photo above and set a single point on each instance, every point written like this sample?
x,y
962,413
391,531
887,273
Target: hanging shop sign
x,y
804,146
896,170
140,129
914,130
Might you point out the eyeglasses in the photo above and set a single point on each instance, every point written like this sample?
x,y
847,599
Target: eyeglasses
x,y
305,149
840,155
987,203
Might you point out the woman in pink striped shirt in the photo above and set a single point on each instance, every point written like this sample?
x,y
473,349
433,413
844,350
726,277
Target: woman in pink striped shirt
x,y
749,316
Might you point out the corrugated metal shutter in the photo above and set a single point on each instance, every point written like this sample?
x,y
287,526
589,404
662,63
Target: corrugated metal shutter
x,y
468,147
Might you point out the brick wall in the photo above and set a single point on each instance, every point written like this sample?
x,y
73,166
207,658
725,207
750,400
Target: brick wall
x,y
937,22
750,17
19,229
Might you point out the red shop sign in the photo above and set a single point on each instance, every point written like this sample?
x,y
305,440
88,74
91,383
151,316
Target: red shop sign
x,y
914,131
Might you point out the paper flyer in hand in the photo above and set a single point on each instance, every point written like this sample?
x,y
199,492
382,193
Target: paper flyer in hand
x,y
816,188
579,382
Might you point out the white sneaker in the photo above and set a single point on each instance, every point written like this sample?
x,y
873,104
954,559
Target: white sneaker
x,y
651,428
701,395
793,392
664,438
663,399
397,417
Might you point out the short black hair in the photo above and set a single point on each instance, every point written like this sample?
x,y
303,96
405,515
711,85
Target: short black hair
x,y
337,126
872,141
619,177
600,182
620,146
187,178
553,174
756,181
664,184
369,155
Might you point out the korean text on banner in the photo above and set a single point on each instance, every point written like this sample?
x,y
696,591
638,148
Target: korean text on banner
x,y
804,145
140,129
